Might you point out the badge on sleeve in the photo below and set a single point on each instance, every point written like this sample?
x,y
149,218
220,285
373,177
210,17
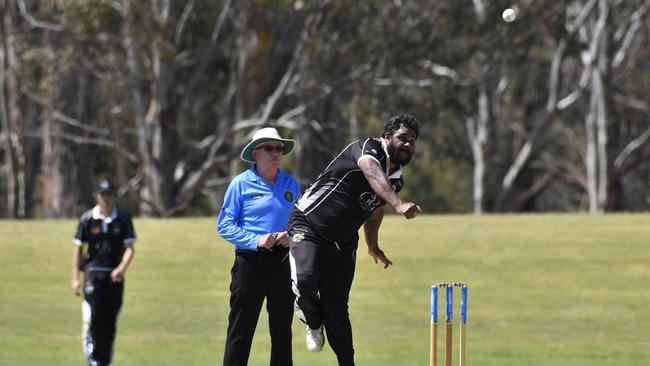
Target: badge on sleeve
x,y
298,237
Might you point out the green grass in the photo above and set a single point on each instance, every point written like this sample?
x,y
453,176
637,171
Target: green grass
x,y
544,290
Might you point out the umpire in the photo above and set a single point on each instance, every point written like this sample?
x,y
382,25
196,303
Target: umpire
x,y
107,233
254,219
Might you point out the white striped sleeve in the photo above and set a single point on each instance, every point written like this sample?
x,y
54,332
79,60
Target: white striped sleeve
x,y
362,157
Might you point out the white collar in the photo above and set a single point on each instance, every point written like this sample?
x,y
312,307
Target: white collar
x,y
97,214
385,146
397,173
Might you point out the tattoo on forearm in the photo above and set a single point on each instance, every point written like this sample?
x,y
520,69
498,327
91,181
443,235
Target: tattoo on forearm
x,y
379,182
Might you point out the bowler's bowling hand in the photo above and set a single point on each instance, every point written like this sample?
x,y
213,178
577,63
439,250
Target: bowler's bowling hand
x,y
379,256
408,209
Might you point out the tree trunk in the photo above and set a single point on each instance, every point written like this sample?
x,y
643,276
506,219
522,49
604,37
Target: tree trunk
x,y
7,109
603,70
596,119
478,130
52,156
17,115
591,154
162,119
9,161
316,141
67,169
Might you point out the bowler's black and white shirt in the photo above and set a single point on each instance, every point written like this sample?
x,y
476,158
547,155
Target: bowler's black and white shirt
x,y
338,202
107,238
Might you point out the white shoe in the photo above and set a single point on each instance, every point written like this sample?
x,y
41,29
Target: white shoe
x,y
315,339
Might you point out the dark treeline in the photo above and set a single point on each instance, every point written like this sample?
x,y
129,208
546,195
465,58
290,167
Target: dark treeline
x,y
548,113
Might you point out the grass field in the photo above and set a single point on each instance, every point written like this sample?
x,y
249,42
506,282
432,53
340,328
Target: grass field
x,y
544,290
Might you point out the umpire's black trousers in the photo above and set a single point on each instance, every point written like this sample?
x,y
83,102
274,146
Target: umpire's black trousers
x,y
101,306
255,276
322,272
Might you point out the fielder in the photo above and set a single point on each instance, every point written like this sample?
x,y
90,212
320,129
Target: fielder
x,y
108,232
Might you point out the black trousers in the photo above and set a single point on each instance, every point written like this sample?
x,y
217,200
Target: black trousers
x,y
322,272
101,307
256,276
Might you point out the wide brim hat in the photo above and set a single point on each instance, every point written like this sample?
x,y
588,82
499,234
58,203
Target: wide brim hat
x,y
262,136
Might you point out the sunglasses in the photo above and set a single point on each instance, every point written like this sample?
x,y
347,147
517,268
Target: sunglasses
x,y
269,148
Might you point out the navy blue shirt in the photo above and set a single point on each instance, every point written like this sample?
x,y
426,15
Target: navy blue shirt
x,y
253,207
107,238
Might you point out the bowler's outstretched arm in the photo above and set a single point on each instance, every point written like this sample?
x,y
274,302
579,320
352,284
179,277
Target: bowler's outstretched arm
x,y
381,185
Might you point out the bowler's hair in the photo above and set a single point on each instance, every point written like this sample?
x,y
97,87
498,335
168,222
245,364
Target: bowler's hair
x,y
399,120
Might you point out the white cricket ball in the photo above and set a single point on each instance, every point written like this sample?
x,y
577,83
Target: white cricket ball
x,y
509,15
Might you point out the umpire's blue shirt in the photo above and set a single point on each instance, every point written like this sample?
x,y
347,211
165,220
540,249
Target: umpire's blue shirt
x,y
253,207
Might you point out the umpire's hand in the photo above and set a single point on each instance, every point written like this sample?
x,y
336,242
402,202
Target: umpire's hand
x,y
267,241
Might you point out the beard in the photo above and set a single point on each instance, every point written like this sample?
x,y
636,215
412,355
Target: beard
x,y
398,156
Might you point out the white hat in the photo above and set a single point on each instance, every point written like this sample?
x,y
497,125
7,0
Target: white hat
x,y
262,136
